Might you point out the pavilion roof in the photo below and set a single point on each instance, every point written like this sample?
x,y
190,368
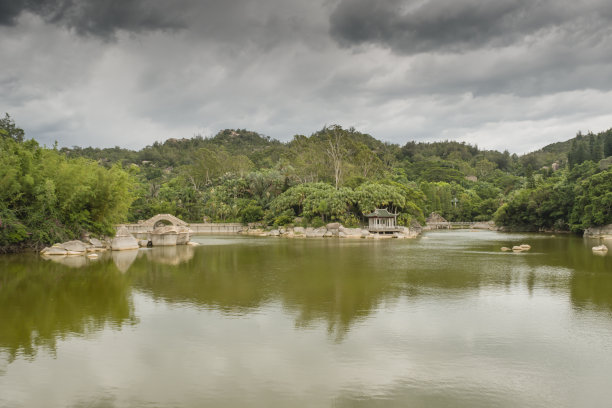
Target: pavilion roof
x,y
381,213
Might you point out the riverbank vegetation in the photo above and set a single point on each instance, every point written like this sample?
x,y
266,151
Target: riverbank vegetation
x,y
46,197
335,174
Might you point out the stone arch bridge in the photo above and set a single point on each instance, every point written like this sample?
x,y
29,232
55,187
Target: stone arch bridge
x,y
164,219
143,228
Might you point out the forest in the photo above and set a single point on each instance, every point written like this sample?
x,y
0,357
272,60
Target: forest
x,y
48,194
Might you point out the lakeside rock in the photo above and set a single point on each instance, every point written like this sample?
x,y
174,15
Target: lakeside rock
x,y
603,232
124,241
600,249
332,230
54,250
519,248
74,247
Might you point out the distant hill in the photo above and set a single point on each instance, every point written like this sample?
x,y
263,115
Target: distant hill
x,y
576,150
264,151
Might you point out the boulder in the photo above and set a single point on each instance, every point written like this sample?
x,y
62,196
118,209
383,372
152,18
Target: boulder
x,y
333,226
96,243
124,241
328,234
274,233
604,231
75,247
54,251
191,243
517,248
525,247
351,232
506,249
92,256
298,230
600,248
143,243
315,233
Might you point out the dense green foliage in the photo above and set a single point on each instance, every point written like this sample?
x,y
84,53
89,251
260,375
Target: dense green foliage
x,y
568,199
341,174
334,174
45,197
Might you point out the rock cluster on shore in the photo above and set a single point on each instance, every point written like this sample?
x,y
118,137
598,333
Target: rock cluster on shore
x,y
602,232
76,247
123,241
330,230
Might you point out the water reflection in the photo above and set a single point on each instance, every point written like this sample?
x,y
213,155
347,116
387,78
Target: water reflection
x,y
341,282
448,320
41,301
338,283
170,255
72,261
325,280
124,259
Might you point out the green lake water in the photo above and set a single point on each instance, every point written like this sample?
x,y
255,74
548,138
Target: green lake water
x,y
445,320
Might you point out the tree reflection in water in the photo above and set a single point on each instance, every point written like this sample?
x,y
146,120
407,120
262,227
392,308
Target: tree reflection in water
x,y
42,301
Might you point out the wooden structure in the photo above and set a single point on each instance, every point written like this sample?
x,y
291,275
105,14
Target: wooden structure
x,y
382,221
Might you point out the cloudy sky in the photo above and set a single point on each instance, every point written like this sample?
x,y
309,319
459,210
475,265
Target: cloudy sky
x,y
515,74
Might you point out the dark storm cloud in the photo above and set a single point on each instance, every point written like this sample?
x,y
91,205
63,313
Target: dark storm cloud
x,y
416,26
99,18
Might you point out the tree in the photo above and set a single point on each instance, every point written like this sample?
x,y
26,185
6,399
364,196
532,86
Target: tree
x,y
8,129
336,150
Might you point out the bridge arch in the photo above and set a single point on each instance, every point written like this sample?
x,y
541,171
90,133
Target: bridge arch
x,y
163,219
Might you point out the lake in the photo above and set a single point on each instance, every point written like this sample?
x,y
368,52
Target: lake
x,y
445,320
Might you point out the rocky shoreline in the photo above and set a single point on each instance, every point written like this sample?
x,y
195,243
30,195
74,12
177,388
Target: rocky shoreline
x,y
331,230
601,232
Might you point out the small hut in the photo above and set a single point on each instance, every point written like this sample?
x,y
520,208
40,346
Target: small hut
x,y
383,221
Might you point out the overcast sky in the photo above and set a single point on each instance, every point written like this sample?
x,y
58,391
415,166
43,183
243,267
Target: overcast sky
x,y
503,74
